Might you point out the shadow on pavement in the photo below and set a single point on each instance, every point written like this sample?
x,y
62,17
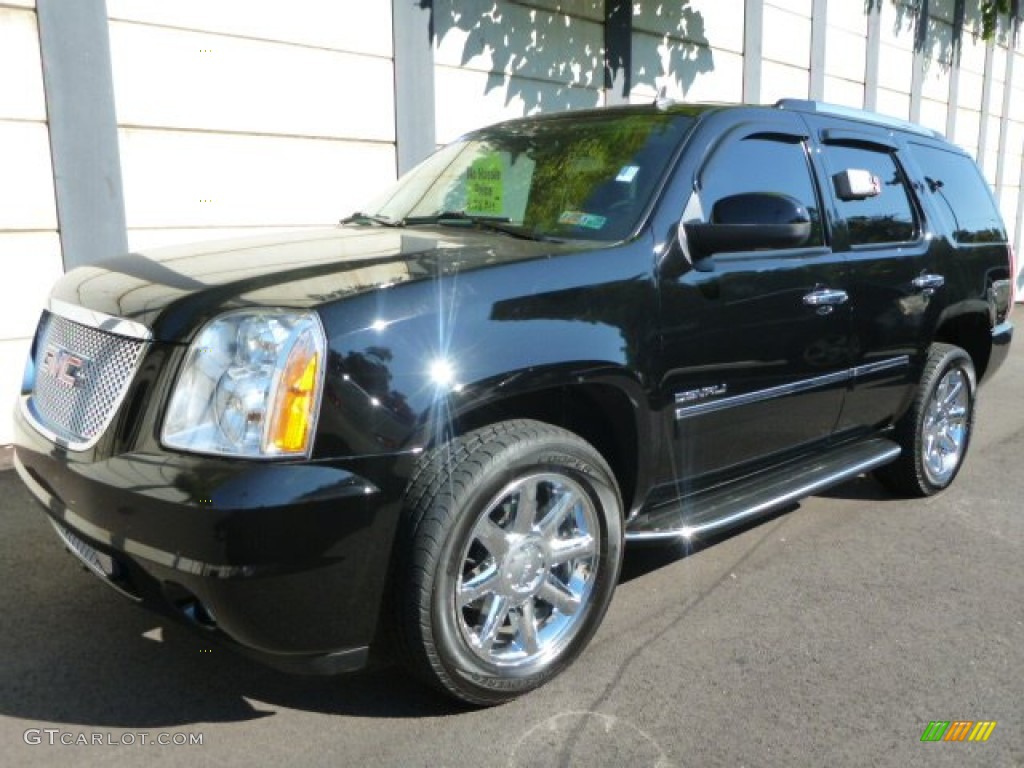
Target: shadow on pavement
x,y
76,652
863,488
641,559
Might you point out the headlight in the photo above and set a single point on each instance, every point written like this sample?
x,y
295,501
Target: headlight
x,y
250,386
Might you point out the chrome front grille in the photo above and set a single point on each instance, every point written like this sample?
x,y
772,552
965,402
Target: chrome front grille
x,y
81,374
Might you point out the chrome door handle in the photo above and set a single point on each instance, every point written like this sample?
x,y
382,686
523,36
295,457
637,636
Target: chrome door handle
x,y
929,282
825,297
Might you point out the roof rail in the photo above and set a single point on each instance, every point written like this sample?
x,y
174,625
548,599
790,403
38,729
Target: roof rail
x,y
824,108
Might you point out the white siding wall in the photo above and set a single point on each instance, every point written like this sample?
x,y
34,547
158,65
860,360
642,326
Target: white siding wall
x,y
497,60
30,255
895,62
846,39
246,114
990,161
971,89
786,49
938,61
1014,177
697,55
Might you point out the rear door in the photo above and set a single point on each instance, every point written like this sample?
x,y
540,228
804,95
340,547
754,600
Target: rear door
x,y
755,366
894,279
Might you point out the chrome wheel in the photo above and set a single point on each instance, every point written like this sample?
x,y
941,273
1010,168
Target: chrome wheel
x,y
528,571
934,433
509,560
945,427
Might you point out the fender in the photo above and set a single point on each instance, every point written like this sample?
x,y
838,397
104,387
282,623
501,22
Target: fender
x,y
407,365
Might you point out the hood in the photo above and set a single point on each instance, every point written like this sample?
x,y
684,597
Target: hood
x,y
173,290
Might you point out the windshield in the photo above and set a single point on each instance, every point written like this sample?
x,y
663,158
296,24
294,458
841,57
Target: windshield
x,y
588,177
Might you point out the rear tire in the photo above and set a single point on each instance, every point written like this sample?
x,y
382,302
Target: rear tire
x,y
936,431
507,561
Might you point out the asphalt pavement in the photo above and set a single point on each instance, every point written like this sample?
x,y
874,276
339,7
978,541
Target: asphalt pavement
x,y
829,635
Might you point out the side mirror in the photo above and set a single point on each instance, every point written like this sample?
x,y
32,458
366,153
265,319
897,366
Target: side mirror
x,y
749,222
856,184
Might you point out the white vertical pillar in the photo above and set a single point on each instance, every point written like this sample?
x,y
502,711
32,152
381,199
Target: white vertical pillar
x,y
753,32
819,29
75,46
873,51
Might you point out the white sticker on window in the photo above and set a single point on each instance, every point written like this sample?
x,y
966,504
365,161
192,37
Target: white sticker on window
x,y
581,219
628,173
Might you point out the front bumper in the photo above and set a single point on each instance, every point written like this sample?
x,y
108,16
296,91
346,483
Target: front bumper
x,y
287,561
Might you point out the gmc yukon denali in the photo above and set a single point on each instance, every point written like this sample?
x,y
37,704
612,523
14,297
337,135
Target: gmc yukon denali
x,y
430,431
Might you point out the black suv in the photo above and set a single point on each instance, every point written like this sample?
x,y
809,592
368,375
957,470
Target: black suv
x,y
431,429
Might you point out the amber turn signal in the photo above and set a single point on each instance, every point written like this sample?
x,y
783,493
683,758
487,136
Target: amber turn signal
x,y
293,411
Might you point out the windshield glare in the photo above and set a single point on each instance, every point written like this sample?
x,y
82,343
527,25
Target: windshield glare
x,y
581,178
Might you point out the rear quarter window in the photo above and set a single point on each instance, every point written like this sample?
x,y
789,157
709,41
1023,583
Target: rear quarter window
x,y
960,196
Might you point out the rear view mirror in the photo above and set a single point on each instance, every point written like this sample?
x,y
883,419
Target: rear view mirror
x,y
857,184
749,222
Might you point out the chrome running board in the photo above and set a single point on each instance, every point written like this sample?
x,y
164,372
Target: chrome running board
x,y
759,494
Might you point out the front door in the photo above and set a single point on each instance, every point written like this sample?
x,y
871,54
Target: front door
x,y
755,344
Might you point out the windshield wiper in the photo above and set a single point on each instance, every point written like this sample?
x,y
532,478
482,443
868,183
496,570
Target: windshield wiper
x,y
370,218
492,223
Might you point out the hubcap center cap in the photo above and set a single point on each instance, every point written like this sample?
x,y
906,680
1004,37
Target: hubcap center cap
x,y
524,569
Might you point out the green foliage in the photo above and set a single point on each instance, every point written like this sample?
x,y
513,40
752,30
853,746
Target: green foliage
x,y
981,17
568,174
984,20
991,10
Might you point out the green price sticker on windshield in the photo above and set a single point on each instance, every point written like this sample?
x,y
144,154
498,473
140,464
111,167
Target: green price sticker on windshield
x,y
485,187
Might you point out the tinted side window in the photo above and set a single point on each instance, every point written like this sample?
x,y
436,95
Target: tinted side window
x,y
961,196
886,218
758,164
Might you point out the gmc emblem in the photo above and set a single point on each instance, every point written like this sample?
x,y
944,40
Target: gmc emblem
x,y
66,368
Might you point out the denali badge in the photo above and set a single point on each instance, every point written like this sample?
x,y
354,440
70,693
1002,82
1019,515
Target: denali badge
x,y
693,395
66,367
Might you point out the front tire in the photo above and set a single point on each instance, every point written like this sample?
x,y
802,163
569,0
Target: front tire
x,y
936,431
508,560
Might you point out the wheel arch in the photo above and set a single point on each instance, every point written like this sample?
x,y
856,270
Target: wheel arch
x,y
970,330
607,414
